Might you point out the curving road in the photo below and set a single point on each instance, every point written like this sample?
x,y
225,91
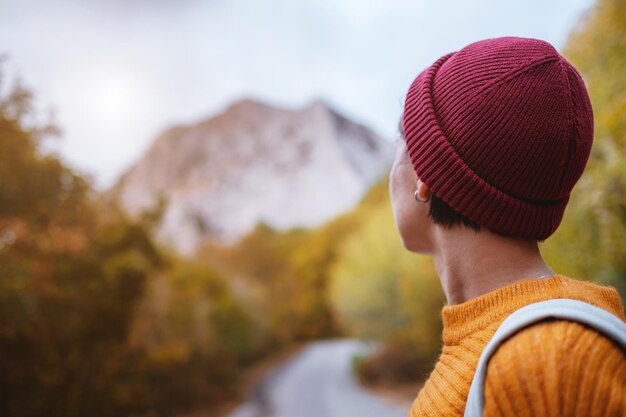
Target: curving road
x,y
317,382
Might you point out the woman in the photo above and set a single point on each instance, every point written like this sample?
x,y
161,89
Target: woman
x,y
494,137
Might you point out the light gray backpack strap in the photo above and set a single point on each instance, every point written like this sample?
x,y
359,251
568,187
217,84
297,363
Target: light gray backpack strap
x,y
563,308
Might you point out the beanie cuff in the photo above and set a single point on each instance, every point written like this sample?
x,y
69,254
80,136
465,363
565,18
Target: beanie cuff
x,y
441,168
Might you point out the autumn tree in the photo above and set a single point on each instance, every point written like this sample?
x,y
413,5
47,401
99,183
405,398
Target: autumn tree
x,y
78,335
590,243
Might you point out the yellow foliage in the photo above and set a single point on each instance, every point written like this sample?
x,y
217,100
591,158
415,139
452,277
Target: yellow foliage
x,y
590,243
382,291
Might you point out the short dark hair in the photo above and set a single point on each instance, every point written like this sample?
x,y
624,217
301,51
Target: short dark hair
x,y
441,213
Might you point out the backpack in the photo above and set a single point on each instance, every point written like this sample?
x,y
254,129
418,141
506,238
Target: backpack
x,y
562,308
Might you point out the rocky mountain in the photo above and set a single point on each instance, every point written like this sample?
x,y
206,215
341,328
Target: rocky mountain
x,y
254,163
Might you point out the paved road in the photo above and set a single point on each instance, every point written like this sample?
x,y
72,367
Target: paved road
x,y
317,382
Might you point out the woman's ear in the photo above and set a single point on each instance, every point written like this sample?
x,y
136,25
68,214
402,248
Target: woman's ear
x,y
423,192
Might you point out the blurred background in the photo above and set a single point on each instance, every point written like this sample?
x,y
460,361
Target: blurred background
x,y
194,214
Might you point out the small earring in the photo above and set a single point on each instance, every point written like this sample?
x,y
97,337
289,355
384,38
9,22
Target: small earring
x,y
418,199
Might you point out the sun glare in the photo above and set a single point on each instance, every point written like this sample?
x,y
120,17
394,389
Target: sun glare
x,y
115,97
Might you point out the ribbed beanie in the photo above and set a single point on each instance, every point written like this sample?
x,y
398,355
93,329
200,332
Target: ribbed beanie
x,y
501,130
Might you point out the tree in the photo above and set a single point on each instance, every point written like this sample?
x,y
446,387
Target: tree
x,y
590,243
382,292
69,279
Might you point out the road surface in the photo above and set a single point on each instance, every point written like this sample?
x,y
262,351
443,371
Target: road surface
x,y
318,382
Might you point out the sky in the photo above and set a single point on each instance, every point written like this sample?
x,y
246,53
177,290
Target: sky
x,y
116,73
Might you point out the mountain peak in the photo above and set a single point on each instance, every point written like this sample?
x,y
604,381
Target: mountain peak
x,y
247,104
254,163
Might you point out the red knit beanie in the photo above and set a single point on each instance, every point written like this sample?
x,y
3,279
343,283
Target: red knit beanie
x,y
501,130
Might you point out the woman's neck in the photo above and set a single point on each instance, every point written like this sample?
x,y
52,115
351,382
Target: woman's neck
x,y
471,264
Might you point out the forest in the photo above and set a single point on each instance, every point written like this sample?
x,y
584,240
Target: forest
x,y
97,318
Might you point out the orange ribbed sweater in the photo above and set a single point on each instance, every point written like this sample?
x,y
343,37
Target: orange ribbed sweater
x,y
554,368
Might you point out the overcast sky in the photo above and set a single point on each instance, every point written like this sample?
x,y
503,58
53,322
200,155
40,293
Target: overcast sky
x,y
118,72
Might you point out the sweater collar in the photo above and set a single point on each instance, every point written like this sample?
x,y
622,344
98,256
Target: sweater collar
x,y
464,319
